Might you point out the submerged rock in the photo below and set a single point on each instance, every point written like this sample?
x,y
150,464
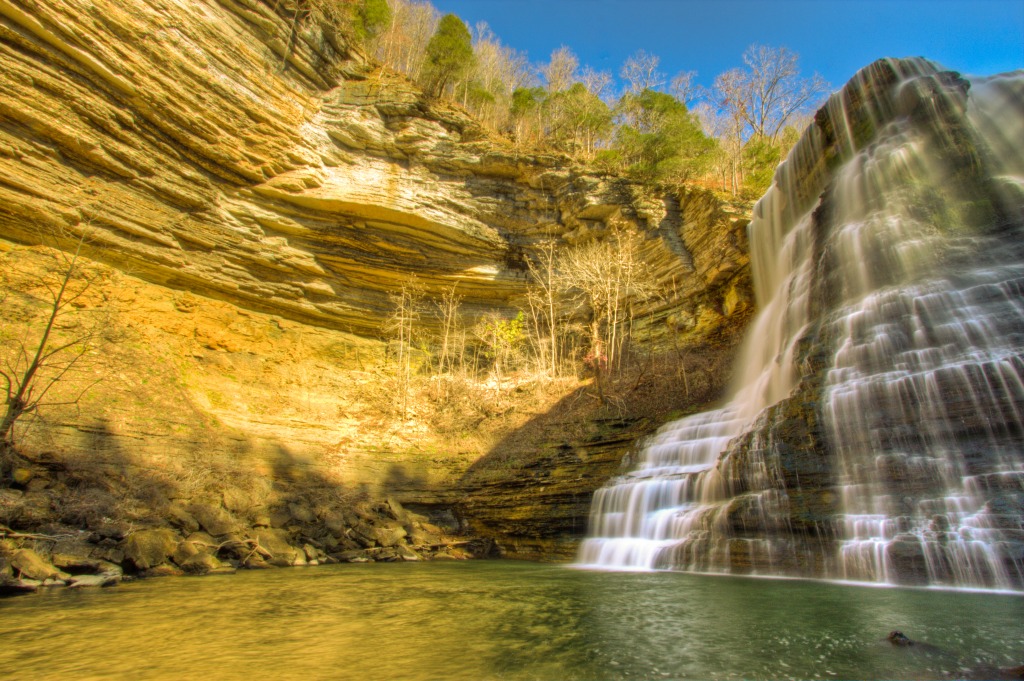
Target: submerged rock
x,y
100,580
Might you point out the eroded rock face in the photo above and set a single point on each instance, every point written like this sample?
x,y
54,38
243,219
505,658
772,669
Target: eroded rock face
x,y
255,204
195,161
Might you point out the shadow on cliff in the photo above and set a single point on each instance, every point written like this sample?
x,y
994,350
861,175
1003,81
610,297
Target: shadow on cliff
x,y
96,481
297,479
532,491
103,476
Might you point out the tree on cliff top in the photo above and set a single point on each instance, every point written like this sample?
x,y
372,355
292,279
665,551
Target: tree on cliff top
x,y
449,53
660,139
769,92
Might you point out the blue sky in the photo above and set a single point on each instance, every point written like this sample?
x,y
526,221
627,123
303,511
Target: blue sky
x,y
833,37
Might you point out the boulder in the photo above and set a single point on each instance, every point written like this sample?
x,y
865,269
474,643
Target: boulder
x,y
13,587
213,519
181,518
235,546
276,542
11,501
37,484
114,531
387,555
29,564
444,555
386,534
279,517
356,556
164,570
147,549
183,551
112,554
238,500
302,513
256,562
21,476
390,534
407,554
336,524
202,538
201,564
77,565
394,510
70,549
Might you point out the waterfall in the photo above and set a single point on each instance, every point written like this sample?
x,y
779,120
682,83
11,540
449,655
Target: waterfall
x,y
876,432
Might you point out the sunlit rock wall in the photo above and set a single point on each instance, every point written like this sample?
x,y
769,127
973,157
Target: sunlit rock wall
x,y
265,196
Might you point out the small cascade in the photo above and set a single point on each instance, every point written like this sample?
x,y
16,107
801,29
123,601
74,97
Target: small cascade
x,y
664,513
877,430
671,494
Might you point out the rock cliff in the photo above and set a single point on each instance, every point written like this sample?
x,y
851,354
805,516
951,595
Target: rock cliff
x,y
248,205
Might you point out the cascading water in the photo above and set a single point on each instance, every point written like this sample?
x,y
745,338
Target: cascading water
x,y
877,433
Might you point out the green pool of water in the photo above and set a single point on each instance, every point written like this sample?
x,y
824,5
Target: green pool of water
x,y
501,620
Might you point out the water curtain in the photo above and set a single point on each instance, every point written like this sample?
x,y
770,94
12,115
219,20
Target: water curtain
x,y
876,430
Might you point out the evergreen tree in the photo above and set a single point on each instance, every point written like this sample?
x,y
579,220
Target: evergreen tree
x,y
527,112
370,19
579,120
449,54
760,159
660,139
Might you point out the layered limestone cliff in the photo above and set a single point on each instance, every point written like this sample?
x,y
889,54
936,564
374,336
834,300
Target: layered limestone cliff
x,y
248,203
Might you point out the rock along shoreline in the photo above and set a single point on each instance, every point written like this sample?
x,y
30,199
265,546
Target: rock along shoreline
x,y
203,539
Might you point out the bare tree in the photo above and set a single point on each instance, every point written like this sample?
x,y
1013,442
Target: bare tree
x,y
598,83
560,72
403,44
401,325
543,302
684,87
727,128
605,278
769,92
641,72
497,72
447,308
42,368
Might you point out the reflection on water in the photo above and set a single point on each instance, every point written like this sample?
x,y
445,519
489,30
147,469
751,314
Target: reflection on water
x,y
501,620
